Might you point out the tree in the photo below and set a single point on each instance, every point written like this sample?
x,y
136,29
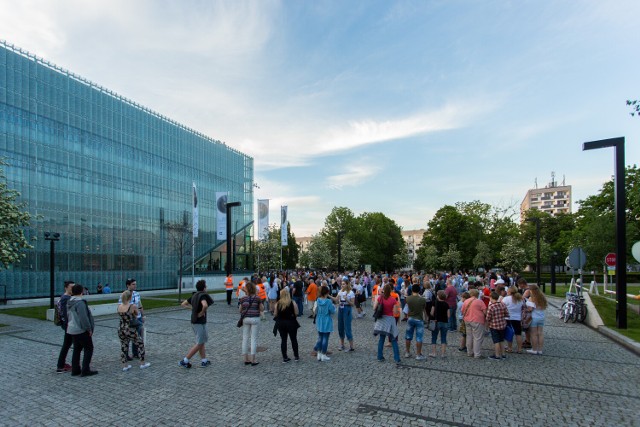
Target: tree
x,y
635,107
178,235
513,255
340,220
350,255
267,251
452,258
14,219
484,256
427,258
379,239
290,252
317,255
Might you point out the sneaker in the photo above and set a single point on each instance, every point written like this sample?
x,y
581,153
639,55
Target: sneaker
x,y
60,371
67,367
462,349
350,350
297,359
341,348
432,355
407,355
532,352
286,360
89,373
381,360
420,357
325,358
126,368
504,357
184,365
494,357
539,353
205,364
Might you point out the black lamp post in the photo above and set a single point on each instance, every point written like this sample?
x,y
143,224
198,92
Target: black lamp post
x,y
230,255
52,238
621,233
537,221
553,272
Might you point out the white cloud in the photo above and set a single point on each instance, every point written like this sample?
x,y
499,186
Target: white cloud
x,y
355,175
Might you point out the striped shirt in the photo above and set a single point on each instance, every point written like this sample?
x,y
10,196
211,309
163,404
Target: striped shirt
x,y
250,305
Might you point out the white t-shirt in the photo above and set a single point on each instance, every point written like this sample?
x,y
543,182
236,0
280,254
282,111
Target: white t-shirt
x,y
514,308
536,314
343,297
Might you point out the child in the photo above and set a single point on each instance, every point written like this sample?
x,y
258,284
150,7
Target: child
x,y
496,320
463,328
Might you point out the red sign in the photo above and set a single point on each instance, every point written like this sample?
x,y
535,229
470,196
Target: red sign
x,y
610,259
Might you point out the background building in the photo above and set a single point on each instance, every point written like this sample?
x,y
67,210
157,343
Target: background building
x,y
553,199
413,241
109,175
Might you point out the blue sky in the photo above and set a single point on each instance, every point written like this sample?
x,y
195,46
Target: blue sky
x,y
398,107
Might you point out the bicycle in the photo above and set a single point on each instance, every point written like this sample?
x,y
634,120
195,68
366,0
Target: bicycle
x,y
573,309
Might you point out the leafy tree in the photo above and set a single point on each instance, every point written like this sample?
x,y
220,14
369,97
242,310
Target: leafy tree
x,y
484,256
350,255
635,107
513,255
452,258
317,255
291,251
427,258
178,235
379,239
14,219
267,251
340,220
531,248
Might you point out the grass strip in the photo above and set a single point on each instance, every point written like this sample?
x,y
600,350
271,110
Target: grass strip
x,y
607,310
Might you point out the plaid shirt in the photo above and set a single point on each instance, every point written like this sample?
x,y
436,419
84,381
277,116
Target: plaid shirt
x,y
497,315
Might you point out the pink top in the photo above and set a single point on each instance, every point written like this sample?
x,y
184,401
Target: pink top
x,y
474,310
387,305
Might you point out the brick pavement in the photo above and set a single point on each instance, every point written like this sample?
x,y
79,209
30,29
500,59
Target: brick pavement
x,y
582,379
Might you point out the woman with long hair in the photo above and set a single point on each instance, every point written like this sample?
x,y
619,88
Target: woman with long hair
x,y
386,326
324,322
346,300
286,313
514,302
126,332
536,304
250,307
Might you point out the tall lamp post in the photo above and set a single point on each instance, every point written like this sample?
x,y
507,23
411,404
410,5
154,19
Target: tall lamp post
x,y
340,234
537,221
554,254
621,233
230,255
52,238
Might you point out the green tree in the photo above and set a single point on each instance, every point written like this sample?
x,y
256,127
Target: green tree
x,y
340,220
267,251
513,255
317,255
379,239
14,218
350,255
291,251
484,256
635,107
452,258
427,258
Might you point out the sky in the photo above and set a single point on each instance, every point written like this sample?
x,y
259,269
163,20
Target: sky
x,y
399,107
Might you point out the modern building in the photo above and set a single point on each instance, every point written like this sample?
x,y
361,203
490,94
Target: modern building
x,y
413,241
553,199
111,177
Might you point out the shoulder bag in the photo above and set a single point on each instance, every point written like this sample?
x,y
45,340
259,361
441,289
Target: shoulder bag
x,y
244,313
377,314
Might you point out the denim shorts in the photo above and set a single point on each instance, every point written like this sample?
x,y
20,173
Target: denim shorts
x,y
418,326
536,323
497,335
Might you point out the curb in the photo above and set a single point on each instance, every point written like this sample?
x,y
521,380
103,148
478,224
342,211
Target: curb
x,y
625,342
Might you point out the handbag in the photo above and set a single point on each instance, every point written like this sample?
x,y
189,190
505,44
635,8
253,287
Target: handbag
x,y
377,314
526,317
133,322
509,333
432,325
244,313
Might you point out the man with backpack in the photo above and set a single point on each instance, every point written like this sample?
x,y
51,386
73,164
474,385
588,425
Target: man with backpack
x,y
61,320
80,326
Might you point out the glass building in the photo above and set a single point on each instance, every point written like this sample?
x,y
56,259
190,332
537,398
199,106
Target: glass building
x,y
115,180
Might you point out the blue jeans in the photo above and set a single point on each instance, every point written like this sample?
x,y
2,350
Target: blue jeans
x,y
441,327
299,301
344,322
453,325
394,344
418,326
323,342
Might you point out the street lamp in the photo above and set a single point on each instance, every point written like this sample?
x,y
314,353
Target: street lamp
x,y
621,237
52,238
537,221
554,254
340,234
230,257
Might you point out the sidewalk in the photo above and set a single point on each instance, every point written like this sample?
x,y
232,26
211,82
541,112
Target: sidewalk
x,y
579,369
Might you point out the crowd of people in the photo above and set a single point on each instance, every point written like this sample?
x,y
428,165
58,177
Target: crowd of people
x,y
504,308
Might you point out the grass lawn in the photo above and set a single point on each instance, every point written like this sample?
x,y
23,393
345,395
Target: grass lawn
x,y
607,310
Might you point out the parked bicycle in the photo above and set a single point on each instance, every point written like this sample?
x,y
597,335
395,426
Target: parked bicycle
x,y
574,308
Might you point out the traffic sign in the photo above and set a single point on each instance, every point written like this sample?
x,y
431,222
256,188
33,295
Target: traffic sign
x,y
635,251
577,258
610,259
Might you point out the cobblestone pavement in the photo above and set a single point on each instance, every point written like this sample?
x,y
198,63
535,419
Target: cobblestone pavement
x,y
582,379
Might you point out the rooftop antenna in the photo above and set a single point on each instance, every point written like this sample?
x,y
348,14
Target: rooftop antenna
x,y
553,179
536,181
563,182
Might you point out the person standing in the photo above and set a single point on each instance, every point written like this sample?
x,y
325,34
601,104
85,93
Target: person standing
x,y
514,302
451,296
346,300
63,366
228,284
80,326
536,304
324,323
298,294
287,324
473,314
126,332
415,323
250,307
386,326
440,313
496,320
312,294
107,289
199,304
139,320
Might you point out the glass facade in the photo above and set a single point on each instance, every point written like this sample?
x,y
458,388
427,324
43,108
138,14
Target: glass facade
x,y
111,177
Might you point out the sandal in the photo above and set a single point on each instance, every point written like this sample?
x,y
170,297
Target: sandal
x,y
508,350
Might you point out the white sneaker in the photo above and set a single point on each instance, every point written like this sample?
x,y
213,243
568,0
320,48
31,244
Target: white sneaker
x,y
420,357
532,351
319,356
145,366
407,355
126,368
325,358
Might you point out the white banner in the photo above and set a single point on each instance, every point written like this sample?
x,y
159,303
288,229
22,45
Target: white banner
x,y
284,222
195,212
221,215
263,218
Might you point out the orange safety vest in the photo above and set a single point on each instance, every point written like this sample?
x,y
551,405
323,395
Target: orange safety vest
x,y
228,283
374,292
240,286
262,294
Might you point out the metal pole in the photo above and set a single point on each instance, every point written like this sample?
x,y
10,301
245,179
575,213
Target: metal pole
x,y
52,272
553,273
229,248
538,266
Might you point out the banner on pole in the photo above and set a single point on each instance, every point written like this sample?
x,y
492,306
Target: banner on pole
x,y
284,222
195,212
221,215
263,218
